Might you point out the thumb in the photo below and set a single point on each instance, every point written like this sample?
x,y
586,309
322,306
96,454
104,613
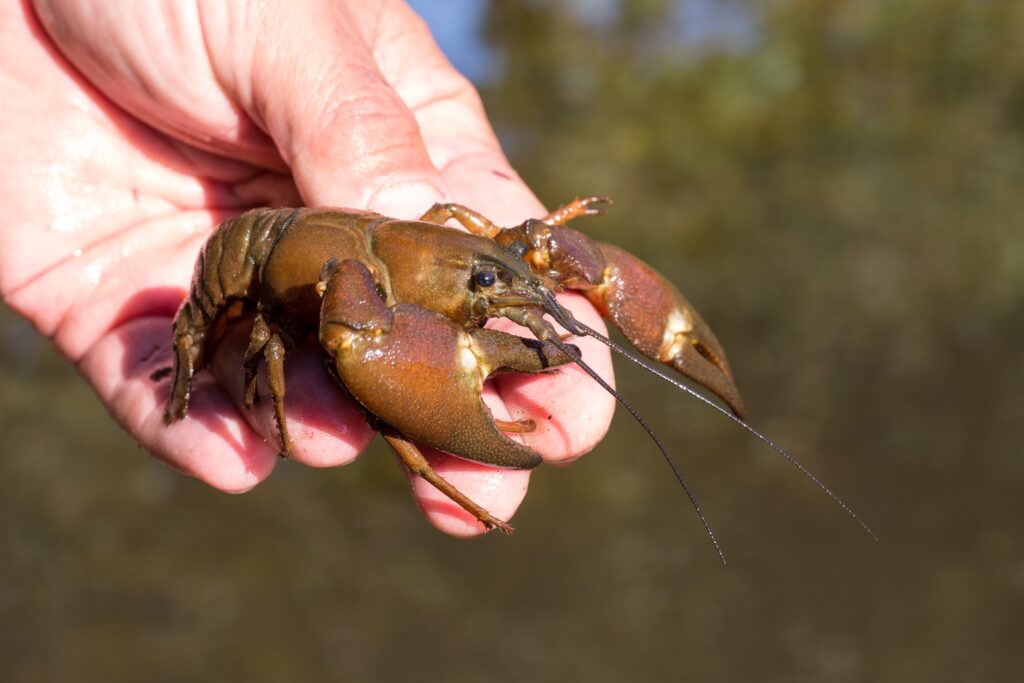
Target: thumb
x,y
346,134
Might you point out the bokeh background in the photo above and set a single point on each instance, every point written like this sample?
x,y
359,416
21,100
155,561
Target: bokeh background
x,y
837,185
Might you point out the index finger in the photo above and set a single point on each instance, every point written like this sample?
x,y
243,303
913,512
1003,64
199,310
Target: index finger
x,y
572,413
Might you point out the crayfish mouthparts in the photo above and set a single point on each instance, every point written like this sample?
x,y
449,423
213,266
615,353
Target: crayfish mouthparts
x,y
399,306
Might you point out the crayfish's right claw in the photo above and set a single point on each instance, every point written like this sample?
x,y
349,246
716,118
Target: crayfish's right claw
x,y
421,373
422,376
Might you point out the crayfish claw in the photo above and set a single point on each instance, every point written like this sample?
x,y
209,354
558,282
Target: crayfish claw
x,y
659,321
418,372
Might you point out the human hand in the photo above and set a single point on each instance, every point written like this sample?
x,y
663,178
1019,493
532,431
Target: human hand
x,y
132,130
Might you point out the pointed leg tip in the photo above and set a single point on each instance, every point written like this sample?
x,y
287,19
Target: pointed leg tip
x,y
287,451
516,426
250,394
503,527
592,210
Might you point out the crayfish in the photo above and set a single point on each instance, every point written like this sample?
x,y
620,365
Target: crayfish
x,y
399,307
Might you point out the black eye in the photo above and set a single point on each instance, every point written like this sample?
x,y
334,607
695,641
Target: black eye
x,y
517,248
485,278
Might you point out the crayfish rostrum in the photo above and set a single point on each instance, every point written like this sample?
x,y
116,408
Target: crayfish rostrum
x,y
399,308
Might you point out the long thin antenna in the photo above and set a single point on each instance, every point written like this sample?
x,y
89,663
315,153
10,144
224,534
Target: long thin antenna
x,y
578,359
741,422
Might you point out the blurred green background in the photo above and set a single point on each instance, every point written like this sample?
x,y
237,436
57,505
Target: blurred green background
x,y
837,186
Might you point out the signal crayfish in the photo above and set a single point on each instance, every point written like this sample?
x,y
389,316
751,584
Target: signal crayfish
x,y
399,308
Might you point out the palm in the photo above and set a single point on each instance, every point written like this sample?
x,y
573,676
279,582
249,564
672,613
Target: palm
x,y
106,216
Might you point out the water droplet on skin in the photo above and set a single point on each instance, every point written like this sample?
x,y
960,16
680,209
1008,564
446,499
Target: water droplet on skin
x,y
93,273
62,225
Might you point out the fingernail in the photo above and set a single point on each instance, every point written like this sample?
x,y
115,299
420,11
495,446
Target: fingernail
x,y
408,200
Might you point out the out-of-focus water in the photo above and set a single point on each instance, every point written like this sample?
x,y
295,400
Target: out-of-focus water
x,y
839,193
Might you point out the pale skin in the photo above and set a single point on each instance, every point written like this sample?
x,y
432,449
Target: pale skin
x,y
131,130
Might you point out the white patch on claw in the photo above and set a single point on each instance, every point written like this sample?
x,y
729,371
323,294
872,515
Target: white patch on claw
x,y
678,324
470,358
609,277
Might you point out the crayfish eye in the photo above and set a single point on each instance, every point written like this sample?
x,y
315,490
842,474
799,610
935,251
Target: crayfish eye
x,y
517,248
485,278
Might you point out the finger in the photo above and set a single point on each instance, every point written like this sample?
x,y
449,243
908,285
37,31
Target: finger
x,y
325,427
347,136
499,491
451,119
213,443
571,411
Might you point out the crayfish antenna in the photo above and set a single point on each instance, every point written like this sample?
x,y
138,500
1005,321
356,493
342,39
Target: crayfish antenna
x,y
587,331
578,359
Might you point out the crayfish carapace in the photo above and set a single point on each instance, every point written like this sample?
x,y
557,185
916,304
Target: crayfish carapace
x,y
399,307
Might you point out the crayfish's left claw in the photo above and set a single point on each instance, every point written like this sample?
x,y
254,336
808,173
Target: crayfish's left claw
x,y
646,307
697,355
659,321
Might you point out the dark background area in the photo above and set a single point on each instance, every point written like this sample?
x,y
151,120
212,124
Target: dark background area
x,y
837,187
